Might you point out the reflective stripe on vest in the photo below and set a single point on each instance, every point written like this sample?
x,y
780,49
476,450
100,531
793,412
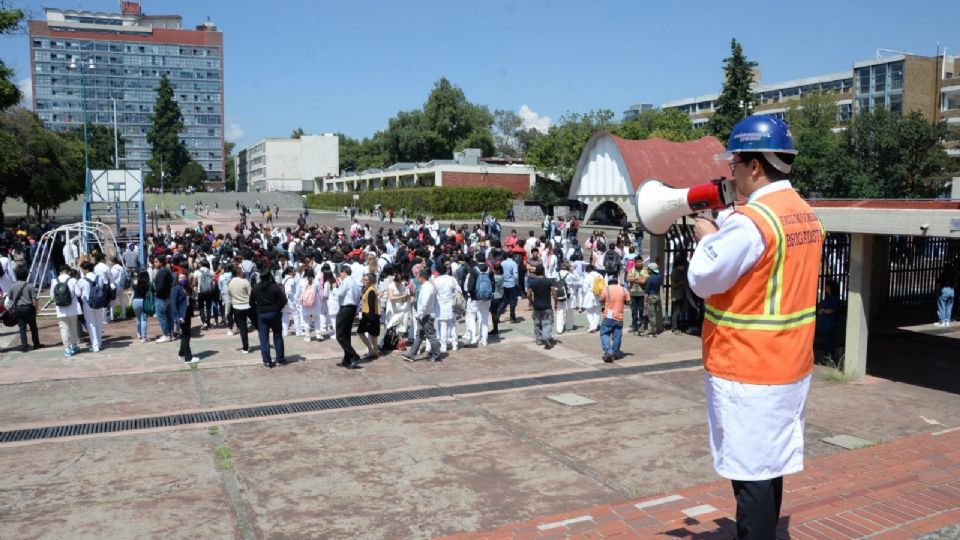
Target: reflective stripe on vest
x,y
772,318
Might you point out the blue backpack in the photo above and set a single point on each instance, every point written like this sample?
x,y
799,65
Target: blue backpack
x,y
484,286
99,295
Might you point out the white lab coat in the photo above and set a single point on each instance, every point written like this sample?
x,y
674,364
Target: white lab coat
x,y
756,430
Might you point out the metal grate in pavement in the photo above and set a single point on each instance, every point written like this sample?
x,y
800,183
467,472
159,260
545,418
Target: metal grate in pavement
x,y
348,402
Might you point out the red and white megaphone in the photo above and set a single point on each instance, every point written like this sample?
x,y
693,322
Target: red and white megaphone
x,y
659,206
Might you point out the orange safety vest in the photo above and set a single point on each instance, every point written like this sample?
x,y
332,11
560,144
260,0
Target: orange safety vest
x,y
761,330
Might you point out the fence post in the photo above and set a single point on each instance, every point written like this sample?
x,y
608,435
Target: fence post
x,y
858,305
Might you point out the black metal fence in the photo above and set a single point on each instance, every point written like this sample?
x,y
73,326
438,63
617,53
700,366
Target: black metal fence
x,y
909,265
915,264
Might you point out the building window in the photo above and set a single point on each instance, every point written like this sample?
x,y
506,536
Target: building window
x,y
896,103
863,80
879,78
896,76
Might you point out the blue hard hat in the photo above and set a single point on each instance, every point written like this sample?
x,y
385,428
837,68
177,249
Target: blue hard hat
x,y
760,133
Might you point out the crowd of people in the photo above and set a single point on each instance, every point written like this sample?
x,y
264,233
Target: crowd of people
x,y
403,288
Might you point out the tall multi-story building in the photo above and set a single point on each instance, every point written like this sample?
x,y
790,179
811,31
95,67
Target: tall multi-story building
x,y
288,164
106,62
898,82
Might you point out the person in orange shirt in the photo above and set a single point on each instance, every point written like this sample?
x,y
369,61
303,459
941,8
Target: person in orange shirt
x,y
614,297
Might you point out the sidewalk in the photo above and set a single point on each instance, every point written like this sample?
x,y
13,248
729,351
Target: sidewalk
x,y
902,489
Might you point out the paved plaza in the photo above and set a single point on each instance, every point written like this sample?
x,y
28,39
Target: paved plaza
x,y
578,448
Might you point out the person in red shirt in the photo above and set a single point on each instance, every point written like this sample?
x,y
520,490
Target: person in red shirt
x,y
511,241
614,297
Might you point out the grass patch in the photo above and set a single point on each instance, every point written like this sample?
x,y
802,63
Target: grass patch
x,y
224,455
833,371
213,430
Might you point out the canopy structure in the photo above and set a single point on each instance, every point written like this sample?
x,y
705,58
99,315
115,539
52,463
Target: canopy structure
x,y
611,169
64,245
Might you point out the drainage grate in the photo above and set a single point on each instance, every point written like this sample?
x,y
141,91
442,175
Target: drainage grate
x,y
134,424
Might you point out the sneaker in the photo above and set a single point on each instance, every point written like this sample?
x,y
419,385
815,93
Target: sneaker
x,y
435,359
193,360
306,339
938,323
548,344
409,357
68,353
229,332
94,349
245,351
163,339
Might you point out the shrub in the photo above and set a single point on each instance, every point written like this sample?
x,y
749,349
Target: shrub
x,y
429,200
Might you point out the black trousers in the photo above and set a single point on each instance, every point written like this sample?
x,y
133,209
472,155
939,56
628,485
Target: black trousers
x,y
758,507
185,351
242,317
205,305
27,316
345,317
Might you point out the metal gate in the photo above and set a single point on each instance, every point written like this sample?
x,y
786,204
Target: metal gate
x,y
834,263
914,264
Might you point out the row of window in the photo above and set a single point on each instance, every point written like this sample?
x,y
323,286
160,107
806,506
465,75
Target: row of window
x,y
891,102
775,96
121,47
47,92
880,78
189,74
135,81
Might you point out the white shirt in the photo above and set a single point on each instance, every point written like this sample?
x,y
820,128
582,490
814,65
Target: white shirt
x,y
427,301
550,266
756,430
103,271
84,288
348,294
445,286
74,307
118,274
723,257
7,279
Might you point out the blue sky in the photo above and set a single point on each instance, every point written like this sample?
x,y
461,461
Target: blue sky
x,y
350,66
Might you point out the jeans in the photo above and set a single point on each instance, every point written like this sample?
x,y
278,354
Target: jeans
x,y
543,325
205,305
426,330
270,322
140,316
164,315
636,313
510,295
945,304
611,332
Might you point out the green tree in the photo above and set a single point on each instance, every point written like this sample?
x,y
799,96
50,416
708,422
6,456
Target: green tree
x,y
15,129
164,136
507,127
350,149
555,155
100,144
669,124
10,95
895,157
230,175
456,123
56,170
297,133
192,175
822,167
736,97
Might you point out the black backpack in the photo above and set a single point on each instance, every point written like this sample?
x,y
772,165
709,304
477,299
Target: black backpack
x,y
62,296
562,292
611,262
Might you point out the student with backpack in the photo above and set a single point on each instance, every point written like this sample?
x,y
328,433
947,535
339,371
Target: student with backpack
x,y
479,287
567,285
93,293
593,284
312,304
205,283
121,279
63,292
143,303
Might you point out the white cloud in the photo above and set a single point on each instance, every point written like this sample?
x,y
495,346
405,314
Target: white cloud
x,y
533,120
26,88
234,132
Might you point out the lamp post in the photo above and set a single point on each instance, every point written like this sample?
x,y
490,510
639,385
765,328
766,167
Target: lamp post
x,y
86,146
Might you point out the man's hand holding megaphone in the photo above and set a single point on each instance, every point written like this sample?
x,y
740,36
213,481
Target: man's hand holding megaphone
x,y
659,206
703,227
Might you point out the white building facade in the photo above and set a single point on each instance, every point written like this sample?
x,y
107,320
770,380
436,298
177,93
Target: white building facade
x,y
289,164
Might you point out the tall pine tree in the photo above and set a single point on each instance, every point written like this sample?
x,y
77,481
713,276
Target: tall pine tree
x,y
736,98
164,137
